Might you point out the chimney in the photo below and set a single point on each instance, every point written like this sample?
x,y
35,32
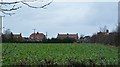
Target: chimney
x,y
37,32
20,34
67,34
107,31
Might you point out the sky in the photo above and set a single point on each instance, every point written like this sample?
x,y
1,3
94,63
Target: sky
x,y
84,18
69,0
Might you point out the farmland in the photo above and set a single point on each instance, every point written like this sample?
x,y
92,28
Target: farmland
x,y
59,54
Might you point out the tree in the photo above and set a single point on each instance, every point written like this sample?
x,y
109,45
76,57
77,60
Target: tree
x,y
8,7
104,29
7,36
7,32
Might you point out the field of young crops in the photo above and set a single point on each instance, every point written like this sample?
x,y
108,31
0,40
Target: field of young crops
x,y
59,54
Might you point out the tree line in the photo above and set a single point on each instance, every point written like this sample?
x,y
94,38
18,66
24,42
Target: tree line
x,y
103,37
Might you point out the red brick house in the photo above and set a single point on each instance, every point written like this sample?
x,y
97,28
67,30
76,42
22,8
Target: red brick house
x,y
37,36
74,36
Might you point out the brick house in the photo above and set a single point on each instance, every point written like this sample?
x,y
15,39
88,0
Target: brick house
x,y
17,35
74,36
37,36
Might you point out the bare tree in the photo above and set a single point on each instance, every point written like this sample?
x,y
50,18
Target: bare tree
x,y
104,29
8,7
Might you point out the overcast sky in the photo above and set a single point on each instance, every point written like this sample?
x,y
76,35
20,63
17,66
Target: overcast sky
x,y
69,0
64,17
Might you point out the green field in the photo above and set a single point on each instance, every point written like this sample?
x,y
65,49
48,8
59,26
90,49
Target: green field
x,y
60,54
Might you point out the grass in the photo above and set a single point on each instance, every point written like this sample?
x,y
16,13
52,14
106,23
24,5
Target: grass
x,y
60,54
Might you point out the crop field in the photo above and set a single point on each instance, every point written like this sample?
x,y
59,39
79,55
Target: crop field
x,y
58,54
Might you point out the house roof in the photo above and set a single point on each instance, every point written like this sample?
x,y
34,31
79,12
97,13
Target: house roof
x,y
68,35
18,35
37,34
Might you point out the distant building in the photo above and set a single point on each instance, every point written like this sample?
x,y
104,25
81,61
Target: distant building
x,y
37,36
12,37
74,36
17,35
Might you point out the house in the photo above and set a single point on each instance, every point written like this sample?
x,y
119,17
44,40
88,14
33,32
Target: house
x,y
12,37
17,35
74,36
37,36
